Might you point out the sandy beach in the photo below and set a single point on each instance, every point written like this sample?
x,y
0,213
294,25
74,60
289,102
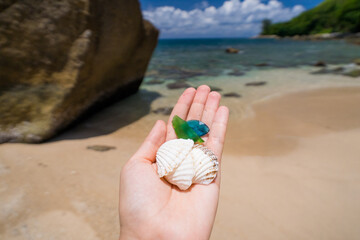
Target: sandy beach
x,y
290,168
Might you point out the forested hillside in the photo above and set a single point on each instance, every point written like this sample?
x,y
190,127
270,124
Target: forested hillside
x,y
329,16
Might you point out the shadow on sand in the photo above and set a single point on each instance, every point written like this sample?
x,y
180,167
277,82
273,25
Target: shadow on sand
x,y
112,118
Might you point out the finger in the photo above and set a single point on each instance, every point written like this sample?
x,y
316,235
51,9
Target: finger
x,y
152,143
198,104
181,109
218,131
211,106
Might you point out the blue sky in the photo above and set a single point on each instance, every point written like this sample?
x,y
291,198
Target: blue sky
x,y
189,4
218,18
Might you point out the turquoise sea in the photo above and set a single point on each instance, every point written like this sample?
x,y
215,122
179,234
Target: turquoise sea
x,y
188,59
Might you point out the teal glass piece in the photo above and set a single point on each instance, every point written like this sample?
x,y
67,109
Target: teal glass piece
x,y
199,127
184,131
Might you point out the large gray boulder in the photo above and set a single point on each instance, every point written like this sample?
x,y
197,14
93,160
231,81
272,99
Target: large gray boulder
x,y
60,57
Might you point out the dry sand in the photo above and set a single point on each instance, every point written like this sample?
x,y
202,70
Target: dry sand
x,y
290,171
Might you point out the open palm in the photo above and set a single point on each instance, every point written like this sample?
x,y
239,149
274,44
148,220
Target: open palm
x,y
150,207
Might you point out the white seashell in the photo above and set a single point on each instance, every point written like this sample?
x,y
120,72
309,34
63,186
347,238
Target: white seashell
x,y
183,175
182,163
171,154
205,164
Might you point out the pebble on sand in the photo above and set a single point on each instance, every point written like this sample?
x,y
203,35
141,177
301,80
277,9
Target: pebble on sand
x,y
100,148
163,110
255,84
232,94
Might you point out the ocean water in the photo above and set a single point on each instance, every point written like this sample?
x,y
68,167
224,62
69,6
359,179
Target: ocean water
x,y
189,59
282,66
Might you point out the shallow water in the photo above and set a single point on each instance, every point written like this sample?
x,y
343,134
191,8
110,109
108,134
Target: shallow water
x,y
187,59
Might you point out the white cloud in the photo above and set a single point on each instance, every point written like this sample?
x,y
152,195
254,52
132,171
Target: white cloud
x,y
234,18
202,5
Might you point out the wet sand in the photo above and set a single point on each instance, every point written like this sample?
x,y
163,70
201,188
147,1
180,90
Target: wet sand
x,y
290,171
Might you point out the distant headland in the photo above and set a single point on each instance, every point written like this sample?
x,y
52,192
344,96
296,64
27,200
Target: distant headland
x,y
332,19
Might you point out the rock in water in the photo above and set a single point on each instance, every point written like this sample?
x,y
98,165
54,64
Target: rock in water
x,y
236,73
320,64
353,73
154,82
177,85
357,61
262,64
59,58
232,94
232,50
217,89
255,84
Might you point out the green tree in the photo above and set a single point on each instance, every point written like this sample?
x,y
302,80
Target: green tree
x,y
266,24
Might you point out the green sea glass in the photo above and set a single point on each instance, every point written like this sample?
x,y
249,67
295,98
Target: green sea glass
x,y
184,131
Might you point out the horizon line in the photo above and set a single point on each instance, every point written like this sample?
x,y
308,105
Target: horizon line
x,y
187,38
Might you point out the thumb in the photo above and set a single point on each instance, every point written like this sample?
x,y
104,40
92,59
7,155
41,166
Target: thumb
x,y
152,142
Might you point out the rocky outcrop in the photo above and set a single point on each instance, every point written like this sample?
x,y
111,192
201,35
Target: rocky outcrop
x,y
60,58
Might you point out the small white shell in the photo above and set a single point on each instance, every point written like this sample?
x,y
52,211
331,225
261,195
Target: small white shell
x,y
171,154
183,163
205,164
183,175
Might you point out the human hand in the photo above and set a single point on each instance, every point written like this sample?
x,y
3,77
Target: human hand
x,y
150,207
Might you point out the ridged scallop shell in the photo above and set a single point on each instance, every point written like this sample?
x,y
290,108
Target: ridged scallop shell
x,y
182,163
206,165
183,175
171,154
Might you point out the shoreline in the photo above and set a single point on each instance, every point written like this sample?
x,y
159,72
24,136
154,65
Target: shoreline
x,y
318,36
350,38
289,164
277,82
